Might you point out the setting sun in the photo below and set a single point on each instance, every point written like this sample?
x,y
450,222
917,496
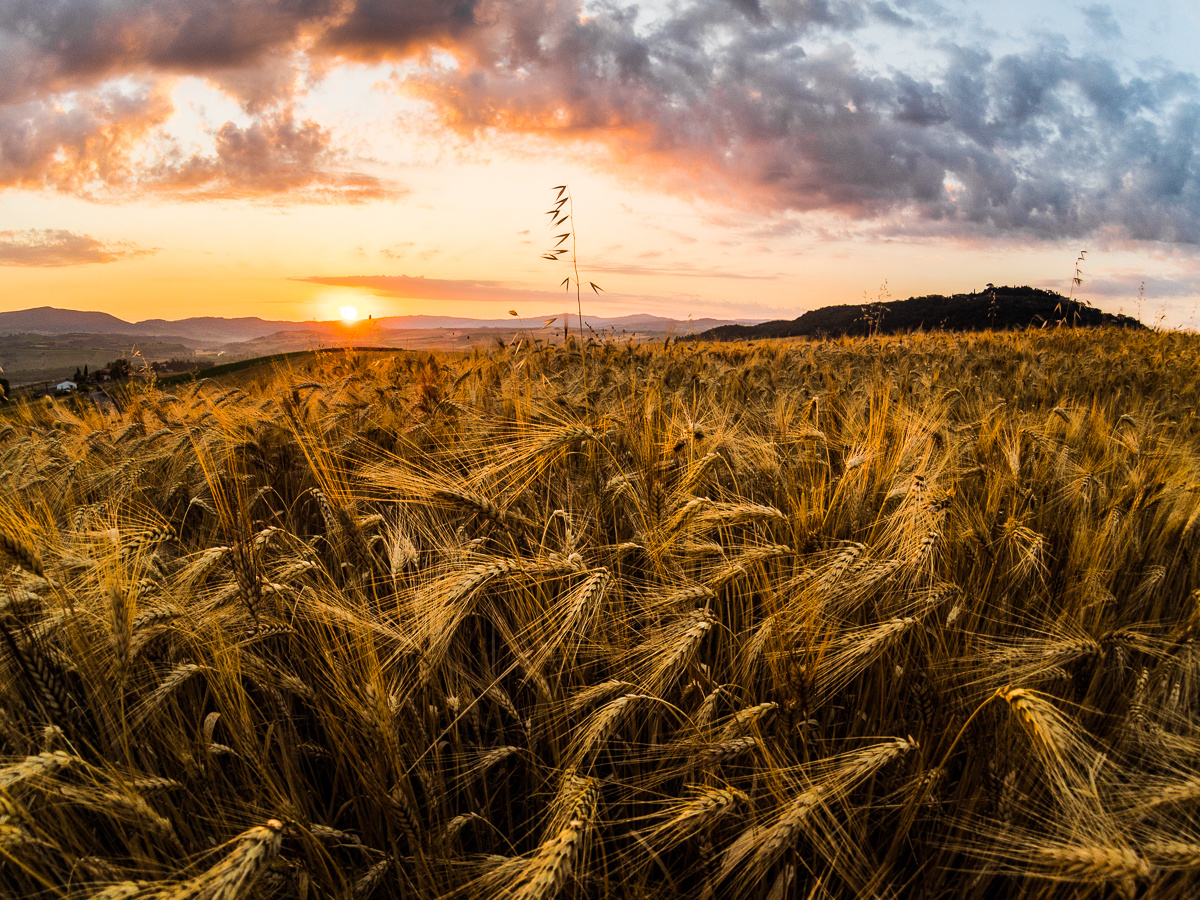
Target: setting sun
x,y
349,314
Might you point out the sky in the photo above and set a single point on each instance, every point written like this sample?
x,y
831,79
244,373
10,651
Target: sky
x,y
745,159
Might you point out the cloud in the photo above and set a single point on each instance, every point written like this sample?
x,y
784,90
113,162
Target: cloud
x,y
1127,285
760,103
755,107
1099,18
678,271
503,297
374,30
70,120
418,288
399,251
71,144
69,44
275,155
52,248
95,144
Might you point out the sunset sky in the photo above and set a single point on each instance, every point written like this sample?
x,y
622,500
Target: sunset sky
x,y
734,158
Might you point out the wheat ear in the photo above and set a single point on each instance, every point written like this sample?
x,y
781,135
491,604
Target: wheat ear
x,y
168,686
670,664
33,766
1172,854
365,884
543,876
122,891
595,694
1038,719
728,749
747,718
51,690
695,814
603,723
1094,863
235,875
22,555
769,844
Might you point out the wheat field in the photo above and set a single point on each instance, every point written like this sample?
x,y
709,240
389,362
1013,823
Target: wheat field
x,y
899,617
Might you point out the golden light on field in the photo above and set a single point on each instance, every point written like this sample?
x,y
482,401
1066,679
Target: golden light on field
x,y
418,151
348,313
374,480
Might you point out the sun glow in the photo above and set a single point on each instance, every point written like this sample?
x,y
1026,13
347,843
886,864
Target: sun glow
x,y
349,314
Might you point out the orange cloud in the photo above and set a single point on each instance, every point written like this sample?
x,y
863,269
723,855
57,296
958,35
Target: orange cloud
x,y
419,288
77,142
274,156
50,248
93,144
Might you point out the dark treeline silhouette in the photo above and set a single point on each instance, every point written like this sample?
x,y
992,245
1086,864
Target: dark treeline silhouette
x,y
999,308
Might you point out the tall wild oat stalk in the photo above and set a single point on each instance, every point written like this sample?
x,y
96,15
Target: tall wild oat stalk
x,y
559,217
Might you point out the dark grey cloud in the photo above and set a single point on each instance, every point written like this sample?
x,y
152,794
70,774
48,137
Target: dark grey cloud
x,y
769,108
888,14
65,44
1101,21
53,248
384,29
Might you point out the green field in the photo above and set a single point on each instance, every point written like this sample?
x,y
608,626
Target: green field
x,y
266,369
892,617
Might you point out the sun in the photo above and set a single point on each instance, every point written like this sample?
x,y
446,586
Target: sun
x,y
349,314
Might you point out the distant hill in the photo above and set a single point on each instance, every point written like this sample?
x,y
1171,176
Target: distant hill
x,y
213,330
49,320
1003,308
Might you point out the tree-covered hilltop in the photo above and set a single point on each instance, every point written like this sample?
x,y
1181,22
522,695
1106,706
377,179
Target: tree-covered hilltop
x,y
1000,308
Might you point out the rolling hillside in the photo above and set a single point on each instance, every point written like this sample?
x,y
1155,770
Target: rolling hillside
x,y
1003,308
